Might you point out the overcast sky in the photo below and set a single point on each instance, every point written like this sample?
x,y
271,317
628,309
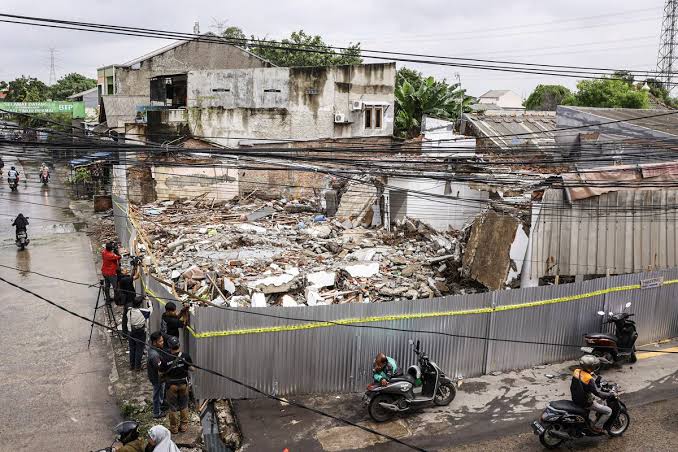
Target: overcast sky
x,y
598,33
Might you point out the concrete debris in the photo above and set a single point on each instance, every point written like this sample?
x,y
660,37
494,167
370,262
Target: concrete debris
x,y
296,255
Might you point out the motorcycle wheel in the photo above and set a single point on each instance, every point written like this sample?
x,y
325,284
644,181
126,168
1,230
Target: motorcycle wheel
x,y
377,412
548,441
22,247
619,426
446,394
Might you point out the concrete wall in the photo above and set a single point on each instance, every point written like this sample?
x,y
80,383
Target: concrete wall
x,y
288,103
179,182
510,100
439,213
192,55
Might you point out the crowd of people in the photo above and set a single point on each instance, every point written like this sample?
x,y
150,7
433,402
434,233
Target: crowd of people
x,y
168,367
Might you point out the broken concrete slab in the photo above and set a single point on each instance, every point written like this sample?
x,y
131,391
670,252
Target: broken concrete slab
x,y
261,213
321,279
410,270
313,296
362,270
258,300
246,227
193,272
321,232
274,284
229,286
288,302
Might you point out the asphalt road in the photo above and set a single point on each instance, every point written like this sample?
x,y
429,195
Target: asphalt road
x,y
654,428
54,391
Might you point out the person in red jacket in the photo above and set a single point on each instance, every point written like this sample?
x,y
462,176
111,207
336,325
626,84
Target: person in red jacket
x,y
109,270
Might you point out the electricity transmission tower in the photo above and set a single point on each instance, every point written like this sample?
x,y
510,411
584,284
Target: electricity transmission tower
x,y
668,46
219,25
52,68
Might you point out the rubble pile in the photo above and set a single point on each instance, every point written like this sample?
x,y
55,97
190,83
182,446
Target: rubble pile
x,y
285,253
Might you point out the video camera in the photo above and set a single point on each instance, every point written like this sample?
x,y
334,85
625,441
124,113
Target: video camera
x,y
135,261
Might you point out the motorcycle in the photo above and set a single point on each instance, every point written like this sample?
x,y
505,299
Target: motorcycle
x,y
22,240
562,420
13,183
615,348
422,385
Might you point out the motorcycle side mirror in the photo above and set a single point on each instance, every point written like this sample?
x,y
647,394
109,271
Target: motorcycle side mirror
x,y
628,305
601,313
611,313
410,341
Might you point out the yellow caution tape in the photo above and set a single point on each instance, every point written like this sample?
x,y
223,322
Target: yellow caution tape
x,y
396,317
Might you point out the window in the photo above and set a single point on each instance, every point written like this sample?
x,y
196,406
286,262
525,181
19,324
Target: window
x,y
271,90
368,118
374,117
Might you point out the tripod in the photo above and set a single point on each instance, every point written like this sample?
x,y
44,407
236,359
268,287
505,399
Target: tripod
x,y
109,313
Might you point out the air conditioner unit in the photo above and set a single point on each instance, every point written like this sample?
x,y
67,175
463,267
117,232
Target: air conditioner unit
x,y
340,118
357,105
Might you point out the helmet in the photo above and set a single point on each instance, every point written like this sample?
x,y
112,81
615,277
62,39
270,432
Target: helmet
x,y
127,431
173,342
589,362
13,168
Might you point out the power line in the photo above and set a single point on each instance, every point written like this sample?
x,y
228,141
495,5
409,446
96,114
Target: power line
x,y
210,371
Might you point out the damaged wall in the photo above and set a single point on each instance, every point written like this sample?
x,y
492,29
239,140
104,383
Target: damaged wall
x,y
289,103
180,182
487,253
460,205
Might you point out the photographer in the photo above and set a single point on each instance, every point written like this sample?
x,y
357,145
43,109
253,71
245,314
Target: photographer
x,y
171,321
110,259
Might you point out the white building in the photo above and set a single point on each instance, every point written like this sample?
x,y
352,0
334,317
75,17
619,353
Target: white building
x,y
503,99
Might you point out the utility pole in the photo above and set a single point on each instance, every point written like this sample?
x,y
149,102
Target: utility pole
x,y
52,68
461,98
668,52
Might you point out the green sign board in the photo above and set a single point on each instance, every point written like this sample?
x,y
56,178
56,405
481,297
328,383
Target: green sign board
x,y
76,109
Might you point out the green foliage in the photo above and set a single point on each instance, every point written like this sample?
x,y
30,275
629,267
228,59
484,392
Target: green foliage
x,y
416,96
82,176
625,76
236,35
291,52
27,89
547,97
608,93
71,84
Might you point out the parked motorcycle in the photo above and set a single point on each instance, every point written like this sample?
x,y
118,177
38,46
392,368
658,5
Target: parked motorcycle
x,y
562,420
615,348
22,240
423,384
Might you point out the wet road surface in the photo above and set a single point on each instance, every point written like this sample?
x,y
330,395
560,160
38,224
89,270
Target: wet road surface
x,y
54,392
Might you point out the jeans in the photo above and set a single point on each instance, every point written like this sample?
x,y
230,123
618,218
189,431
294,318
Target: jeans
x,y
603,411
110,281
158,394
136,349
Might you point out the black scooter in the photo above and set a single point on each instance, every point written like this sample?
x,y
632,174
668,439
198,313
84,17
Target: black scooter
x,y
422,385
615,348
562,420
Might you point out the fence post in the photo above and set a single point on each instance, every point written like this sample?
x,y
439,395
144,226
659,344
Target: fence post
x,y
488,332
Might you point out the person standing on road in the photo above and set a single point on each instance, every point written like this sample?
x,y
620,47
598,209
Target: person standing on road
x,y
176,371
136,325
154,364
109,270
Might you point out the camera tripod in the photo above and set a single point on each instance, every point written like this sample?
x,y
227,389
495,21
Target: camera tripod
x,y
109,313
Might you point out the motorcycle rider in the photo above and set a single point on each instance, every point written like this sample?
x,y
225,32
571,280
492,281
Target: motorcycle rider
x,y
12,174
585,385
20,222
385,368
44,171
128,435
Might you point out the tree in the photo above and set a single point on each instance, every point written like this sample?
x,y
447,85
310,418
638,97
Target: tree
x,y
235,36
416,96
608,93
291,51
26,89
71,84
547,97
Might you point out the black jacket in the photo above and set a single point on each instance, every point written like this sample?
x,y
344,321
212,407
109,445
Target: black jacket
x,y
20,222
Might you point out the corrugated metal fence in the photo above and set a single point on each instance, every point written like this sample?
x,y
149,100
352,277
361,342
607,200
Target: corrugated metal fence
x,y
287,351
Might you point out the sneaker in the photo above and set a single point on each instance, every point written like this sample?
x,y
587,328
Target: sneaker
x,y
159,416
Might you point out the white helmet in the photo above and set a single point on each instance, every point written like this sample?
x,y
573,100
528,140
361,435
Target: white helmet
x,y
589,362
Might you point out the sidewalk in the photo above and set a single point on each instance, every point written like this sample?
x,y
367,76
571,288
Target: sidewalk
x,y
486,407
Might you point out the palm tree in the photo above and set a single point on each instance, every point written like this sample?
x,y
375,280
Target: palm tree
x,y
416,96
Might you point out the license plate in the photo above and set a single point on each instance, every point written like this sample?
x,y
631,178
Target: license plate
x,y
587,349
538,428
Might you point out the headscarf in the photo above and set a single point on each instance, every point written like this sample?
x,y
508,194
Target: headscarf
x,y
163,440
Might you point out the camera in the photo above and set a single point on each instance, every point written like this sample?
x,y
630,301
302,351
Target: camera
x,y
135,261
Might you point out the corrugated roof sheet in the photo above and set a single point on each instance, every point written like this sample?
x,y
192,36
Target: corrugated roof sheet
x,y
496,125
494,93
667,124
